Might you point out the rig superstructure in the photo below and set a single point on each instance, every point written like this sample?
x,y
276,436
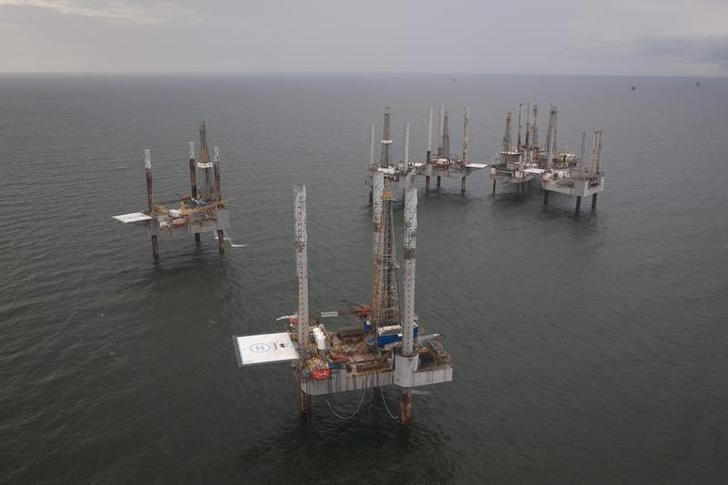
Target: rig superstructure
x,y
387,346
444,163
204,210
555,170
580,178
441,163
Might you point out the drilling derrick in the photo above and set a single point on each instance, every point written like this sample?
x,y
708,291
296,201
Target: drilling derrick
x,y
534,128
551,131
550,148
385,294
596,165
520,126
527,143
208,188
441,119
445,137
507,135
377,241
556,129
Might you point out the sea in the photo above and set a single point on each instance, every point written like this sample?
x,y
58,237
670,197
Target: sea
x,y
590,349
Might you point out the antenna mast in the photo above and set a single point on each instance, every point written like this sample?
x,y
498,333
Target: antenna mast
x,y
386,139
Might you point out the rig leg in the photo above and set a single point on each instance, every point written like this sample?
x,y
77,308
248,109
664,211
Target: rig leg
x,y
493,186
427,184
462,185
304,403
578,205
438,182
155,247
594,201
221,241
545,197
405,408
197,238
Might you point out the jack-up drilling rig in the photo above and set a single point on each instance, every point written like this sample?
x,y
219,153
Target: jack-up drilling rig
x,y
554,170
440,164
444,163
385,348
204,210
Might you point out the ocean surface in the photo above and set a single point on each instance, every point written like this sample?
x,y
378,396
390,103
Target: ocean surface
x,y
586,350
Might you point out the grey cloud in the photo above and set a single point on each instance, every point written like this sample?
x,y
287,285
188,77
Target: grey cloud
x,y
150,13
620,37
711,49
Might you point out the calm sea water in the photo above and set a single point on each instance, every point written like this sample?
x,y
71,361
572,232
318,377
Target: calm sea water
x,y
590,350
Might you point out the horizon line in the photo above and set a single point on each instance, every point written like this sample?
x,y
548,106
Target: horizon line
x,y
453,75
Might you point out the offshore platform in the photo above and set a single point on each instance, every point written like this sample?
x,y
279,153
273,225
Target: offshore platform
x,y
386,346
554,170
444,163
440,164
204,210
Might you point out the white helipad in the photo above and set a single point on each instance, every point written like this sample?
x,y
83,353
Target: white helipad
x,y
265,348
133,217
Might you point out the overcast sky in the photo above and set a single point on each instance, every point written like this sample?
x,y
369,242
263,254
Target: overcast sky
x,y
632,37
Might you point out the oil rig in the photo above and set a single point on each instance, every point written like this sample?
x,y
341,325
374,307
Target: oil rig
x,y
440,164
204,210
386,346
552,169
514,164
444,163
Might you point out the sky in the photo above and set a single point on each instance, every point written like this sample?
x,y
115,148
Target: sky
x,y
612,37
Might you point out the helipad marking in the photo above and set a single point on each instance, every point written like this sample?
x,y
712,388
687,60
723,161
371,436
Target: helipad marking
x,y
258,348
